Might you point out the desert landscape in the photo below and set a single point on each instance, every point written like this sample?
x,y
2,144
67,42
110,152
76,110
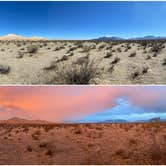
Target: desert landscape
x,y
40,61
41,142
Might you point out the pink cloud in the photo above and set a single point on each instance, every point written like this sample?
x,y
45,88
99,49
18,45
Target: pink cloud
x,y
65,102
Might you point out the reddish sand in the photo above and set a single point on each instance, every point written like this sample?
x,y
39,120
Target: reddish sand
x,y
137,143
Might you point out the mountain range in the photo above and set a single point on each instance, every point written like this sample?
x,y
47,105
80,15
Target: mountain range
x,y
114,38
16,120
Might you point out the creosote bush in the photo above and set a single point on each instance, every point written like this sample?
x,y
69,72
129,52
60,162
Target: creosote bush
x,y
75,73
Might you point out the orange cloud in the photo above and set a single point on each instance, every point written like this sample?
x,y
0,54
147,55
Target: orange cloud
x,y
64,102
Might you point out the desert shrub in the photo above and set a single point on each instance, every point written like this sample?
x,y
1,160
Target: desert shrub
x,y
25,129
116,60
108,55
144,43
156,48
148,57
144,51
48,128
164,62
101,47
111,68
77,131
155,54
128,47
4,69
90,145
19,55
29,148
109,47
36,135
43,144
133,54
134,74
49,152
133,142
122,153
119,50
18,45
86,49
64,58
32,49
75,73
69,54
22,49
145,70
71,49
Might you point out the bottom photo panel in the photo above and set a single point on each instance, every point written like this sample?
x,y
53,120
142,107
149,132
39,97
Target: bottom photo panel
x,y
79,125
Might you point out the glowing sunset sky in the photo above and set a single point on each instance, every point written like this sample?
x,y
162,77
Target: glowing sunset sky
x,y
83,103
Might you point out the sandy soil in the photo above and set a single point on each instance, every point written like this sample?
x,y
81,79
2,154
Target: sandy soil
x,y
63,62
139,143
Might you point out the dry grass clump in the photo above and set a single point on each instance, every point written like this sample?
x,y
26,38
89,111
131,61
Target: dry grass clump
x,y
76,73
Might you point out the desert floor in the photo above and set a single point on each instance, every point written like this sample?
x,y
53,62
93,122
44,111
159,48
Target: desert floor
x,y
82,62
132,143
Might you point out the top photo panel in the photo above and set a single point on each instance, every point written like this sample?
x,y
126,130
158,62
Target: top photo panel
x,y
82,43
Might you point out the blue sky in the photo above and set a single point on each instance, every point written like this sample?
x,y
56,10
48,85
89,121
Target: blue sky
x,y
83,20
124,111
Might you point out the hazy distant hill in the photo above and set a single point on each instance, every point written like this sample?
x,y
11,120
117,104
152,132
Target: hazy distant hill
x,y
16,120
114,38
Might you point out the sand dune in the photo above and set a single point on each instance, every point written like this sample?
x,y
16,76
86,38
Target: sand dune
x,y
130,143
10,37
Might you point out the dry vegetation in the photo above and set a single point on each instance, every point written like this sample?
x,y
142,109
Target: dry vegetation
x,y
132,143
82,62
